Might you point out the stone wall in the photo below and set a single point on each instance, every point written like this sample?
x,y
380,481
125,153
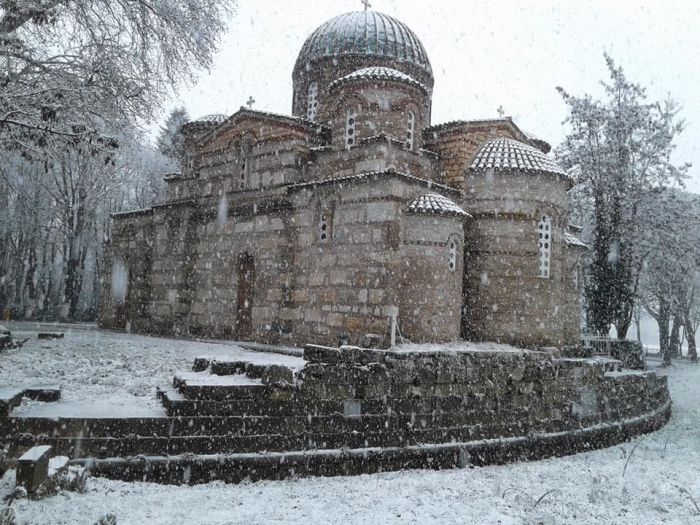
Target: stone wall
x,y
381,108
456,144
502,258
337,289
324,71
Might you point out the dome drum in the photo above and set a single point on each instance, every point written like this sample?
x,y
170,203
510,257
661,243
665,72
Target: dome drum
x,y
350,42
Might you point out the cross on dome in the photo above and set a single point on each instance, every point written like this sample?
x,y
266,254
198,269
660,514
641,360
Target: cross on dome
x,y
250,102
366,4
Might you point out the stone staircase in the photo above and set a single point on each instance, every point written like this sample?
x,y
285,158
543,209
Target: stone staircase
x,y
351,411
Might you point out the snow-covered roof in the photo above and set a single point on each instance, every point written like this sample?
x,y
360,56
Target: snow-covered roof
x,y
359,177
571,240
435,204
379,73
511,155
364,33
215,118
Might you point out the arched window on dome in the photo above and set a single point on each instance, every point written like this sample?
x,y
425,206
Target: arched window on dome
x,y
544,231
312,101
350,123
410,130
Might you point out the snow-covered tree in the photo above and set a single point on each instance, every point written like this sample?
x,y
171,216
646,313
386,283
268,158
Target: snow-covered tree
x,y
170,141
618,148
72,69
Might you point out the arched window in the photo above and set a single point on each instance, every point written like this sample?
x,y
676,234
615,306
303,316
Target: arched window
x,y
544,231
350,121
410,129
452,264
312,101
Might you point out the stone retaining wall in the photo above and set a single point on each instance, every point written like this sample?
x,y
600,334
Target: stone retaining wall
x,y
351,410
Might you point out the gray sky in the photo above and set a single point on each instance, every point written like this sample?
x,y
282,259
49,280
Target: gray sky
x,y
484,54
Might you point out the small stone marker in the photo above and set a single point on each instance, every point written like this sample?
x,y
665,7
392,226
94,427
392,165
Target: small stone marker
x,y
50,335
33,467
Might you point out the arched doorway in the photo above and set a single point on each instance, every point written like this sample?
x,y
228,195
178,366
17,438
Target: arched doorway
x,y
244,303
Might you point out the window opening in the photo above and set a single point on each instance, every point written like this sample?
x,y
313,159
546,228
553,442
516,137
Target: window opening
x,y
410,127
324,226
453,256
350,121
312,101
544,230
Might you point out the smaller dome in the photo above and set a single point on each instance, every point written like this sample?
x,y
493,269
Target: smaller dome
x,y
435,204
379,73
511,155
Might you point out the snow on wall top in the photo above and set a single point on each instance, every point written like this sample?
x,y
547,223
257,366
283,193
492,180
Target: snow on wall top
x,y
379,73
364,33
371,175
216,118
436,204
508,154
571,240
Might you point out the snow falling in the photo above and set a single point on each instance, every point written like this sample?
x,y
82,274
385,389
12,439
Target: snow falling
x,y
429,280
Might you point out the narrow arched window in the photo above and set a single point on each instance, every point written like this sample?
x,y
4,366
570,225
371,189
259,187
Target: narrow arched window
x,y
544,231
452,260
350,122
312,101
243,173
410,130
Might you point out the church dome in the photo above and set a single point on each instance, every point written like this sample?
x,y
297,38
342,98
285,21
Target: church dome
x,y
367,33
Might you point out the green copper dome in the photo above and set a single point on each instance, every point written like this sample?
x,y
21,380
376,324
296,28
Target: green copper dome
x,y
364,33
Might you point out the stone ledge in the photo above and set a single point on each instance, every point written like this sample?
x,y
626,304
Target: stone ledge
x,y
190,469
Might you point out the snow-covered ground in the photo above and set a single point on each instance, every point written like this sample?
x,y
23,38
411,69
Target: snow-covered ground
x,y
106,373
651,480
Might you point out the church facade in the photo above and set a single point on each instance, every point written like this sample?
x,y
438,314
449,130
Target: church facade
x,y
352,215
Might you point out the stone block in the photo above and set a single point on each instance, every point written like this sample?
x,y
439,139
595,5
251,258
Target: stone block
x,y
33,468
50,335
277,375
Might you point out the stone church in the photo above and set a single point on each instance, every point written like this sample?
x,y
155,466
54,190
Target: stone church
x,y
353,215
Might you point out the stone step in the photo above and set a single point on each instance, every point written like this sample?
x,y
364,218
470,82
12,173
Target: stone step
x,y
125,446
9,398
234,468
85,427
12,397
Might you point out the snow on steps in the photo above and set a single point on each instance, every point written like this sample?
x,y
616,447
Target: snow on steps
x,y
12,397
234,468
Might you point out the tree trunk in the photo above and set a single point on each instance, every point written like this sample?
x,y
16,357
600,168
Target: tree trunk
x,y
690,334
663,321
674,342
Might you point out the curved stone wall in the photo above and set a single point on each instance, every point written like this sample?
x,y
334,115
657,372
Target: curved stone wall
x,y
502,258
351,411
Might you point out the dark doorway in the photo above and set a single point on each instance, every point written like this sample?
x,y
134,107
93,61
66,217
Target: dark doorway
x,y
244,306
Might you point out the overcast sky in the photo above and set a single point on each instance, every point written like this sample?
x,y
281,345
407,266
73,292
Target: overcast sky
x,y
484,54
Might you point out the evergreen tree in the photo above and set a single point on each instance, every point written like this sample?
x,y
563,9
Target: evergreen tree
x,y
618,149
170,141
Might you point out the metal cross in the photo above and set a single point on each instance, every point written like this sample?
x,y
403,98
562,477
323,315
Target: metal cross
x,y
250,102
366,4
501,111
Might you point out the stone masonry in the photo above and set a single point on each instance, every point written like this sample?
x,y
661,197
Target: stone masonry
x,y
291,229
